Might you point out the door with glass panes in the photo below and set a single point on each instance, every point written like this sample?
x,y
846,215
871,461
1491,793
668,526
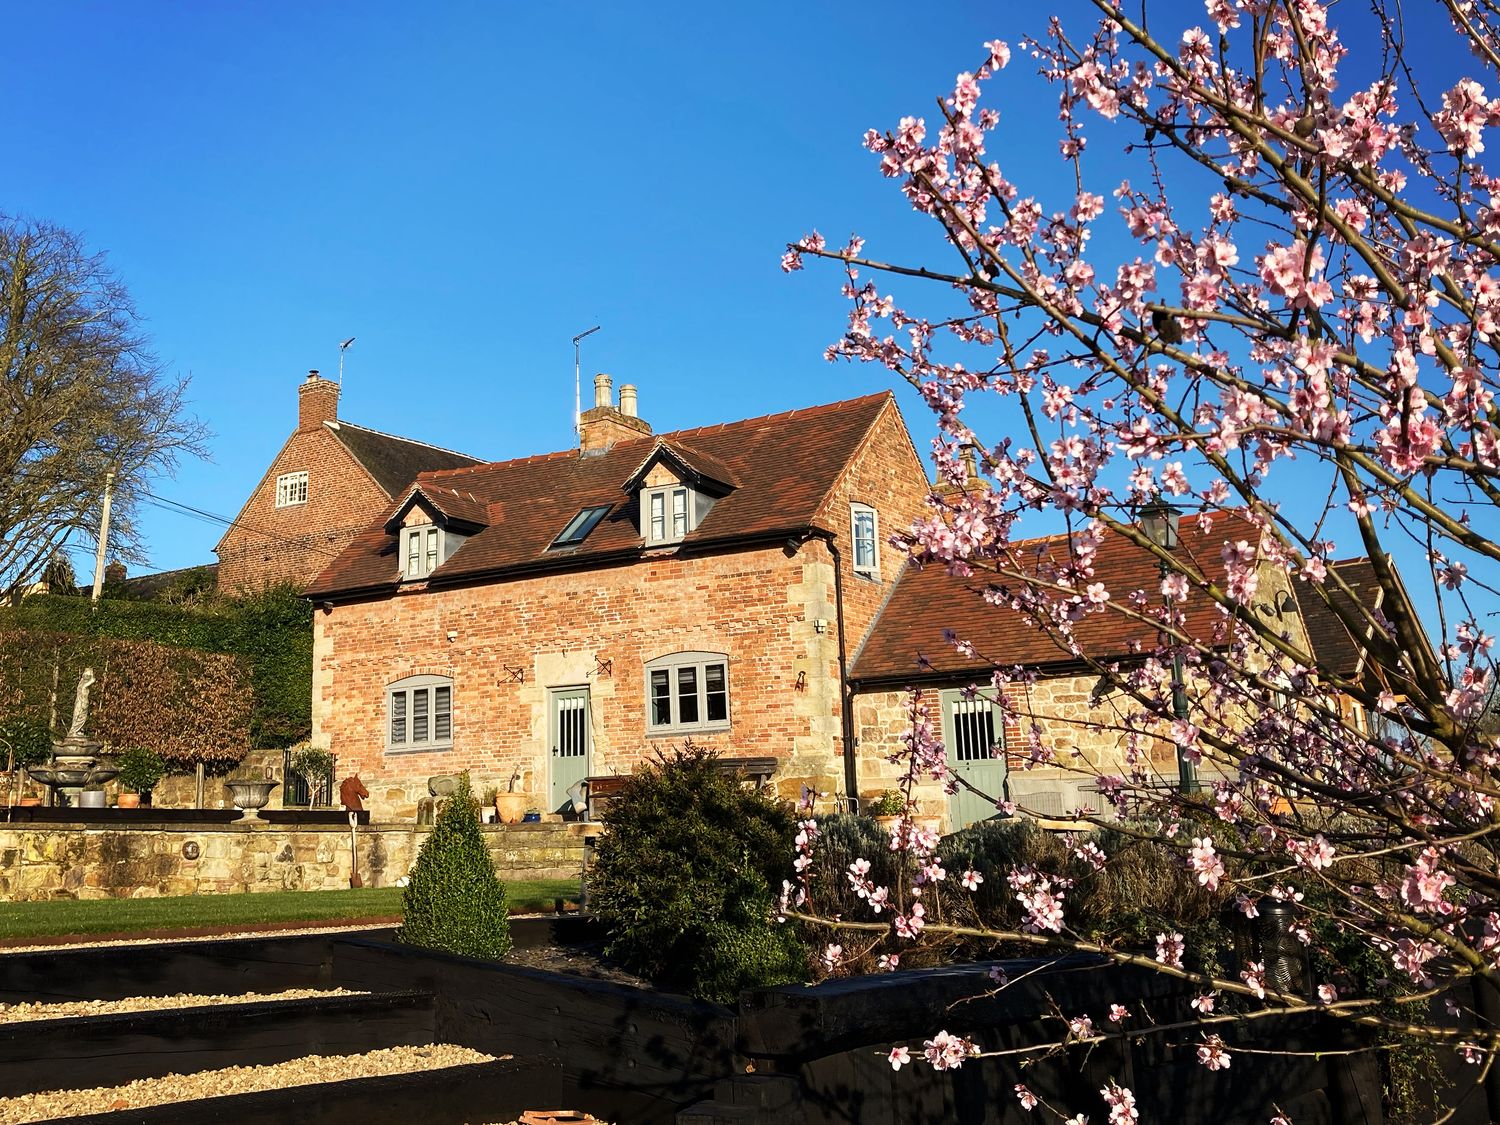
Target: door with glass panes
x,y
569,733
974,735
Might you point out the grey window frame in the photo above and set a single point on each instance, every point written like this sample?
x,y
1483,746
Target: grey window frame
x,y
856,510
673,664
581,526
291,489
667,493
429,563
407,691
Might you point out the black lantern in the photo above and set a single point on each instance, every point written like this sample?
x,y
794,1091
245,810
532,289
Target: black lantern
x,y
1159,522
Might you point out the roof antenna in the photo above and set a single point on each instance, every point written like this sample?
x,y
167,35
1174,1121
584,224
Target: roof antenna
x,y
577,401
344,347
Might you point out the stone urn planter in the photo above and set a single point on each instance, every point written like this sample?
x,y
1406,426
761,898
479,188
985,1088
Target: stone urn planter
x,y
250,796
511,807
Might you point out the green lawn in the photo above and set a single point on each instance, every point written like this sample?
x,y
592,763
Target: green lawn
x,y
60,917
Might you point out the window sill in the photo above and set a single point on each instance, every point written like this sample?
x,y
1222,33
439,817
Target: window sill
x,y
676,732
424,748
868,575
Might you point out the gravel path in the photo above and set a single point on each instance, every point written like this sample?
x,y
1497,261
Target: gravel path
x,y
233,1080
16,1013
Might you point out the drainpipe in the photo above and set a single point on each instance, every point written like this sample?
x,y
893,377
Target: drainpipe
x,y
846,710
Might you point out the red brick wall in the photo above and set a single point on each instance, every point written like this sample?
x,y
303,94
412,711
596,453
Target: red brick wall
x,y
514,640
268,544
887,476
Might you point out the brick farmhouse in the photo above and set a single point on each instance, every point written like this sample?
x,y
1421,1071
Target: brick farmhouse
x,y
542,620
318,493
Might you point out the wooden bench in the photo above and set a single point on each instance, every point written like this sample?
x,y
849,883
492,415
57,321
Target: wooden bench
x,y
600,790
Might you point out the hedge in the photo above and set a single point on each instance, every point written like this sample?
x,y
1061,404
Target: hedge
x,y
270,633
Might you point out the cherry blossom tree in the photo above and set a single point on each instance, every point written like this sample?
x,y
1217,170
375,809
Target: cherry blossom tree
x,y
1284,325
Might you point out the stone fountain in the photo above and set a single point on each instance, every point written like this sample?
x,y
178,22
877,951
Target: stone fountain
x,y
75,758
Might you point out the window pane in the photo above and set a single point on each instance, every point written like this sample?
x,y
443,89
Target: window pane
x,y
679,513
661,699
717,692
419,703
658,516
432,550
687,695
398,717
864,539
442,718
413,554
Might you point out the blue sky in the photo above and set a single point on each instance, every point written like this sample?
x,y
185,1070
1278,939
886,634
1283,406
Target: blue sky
x,y
464,186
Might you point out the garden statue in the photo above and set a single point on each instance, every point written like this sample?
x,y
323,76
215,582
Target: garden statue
x,y
351,790
81,706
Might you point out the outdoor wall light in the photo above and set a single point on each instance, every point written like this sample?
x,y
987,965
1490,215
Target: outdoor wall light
x,y
820,625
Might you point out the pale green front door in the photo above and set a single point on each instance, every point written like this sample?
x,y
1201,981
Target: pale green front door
x,y
973,733
569,734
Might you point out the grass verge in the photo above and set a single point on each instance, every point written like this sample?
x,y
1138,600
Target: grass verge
x,y
73,917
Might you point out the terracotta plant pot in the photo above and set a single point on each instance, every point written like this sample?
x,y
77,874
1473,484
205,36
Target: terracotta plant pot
x,y
511,807
128,801
886,823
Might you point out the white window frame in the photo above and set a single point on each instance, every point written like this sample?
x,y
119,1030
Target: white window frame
x,y
421,551
670,508
291,489
672,667
415,707
869,567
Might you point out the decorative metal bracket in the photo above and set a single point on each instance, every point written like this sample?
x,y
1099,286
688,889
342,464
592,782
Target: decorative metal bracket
x,y
604,668
801,683
515,675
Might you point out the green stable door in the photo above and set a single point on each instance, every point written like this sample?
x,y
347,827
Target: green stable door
x,y
569,734
973,734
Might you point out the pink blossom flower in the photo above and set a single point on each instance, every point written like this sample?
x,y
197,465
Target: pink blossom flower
x,y
1081,1027
1211,1053
1204,1003
899,1057
1169,949
947,1052
1254,976
1027,1099
1121,1104
1118,1013
971,880
1205,863
1327,994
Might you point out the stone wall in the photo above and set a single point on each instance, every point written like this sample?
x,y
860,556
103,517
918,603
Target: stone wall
x,y
147,861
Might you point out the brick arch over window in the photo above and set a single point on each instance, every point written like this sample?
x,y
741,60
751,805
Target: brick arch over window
x,y
687,693
419,714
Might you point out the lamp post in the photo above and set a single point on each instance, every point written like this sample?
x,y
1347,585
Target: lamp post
x,y
1159,521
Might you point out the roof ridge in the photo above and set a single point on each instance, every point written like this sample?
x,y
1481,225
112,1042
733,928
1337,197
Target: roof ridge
x,y
670,435
336,423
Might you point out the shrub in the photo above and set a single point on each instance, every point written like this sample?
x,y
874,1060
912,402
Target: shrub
x,y
313,764
24,741
684,879
455,902
141,769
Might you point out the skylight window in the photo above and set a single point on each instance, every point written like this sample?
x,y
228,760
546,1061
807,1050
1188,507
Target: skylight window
x,y
580,525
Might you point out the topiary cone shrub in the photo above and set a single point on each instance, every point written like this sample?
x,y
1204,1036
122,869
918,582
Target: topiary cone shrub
x,y
683,880
455,902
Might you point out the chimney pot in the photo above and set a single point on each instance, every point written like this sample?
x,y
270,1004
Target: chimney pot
x,y
603,390
312,375
627,399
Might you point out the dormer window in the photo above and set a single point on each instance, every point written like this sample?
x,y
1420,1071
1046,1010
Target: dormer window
x,y
669,513
865,533
422,550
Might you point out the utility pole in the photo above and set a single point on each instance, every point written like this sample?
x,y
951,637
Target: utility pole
x,y
109,489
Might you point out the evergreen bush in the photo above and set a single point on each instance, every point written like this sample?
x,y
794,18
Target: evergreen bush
x,y
24,741
455,902
685,876
141,769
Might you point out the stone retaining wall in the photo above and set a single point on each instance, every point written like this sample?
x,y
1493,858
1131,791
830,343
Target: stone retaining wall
x,y
149,860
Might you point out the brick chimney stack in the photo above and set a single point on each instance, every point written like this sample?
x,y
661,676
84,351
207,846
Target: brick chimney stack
x,y
606,424
317,402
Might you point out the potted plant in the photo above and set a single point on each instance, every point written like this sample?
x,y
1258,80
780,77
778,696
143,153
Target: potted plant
x,y
315,766
24,742
512,803
887,809
487,810
141,770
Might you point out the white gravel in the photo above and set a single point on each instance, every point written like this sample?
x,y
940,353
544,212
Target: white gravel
x,y
234,1080
63,946
67,1009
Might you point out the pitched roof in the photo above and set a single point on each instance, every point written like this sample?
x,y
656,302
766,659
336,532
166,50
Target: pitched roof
x,y
393,461
907,640
783,465
1333,645
455,505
